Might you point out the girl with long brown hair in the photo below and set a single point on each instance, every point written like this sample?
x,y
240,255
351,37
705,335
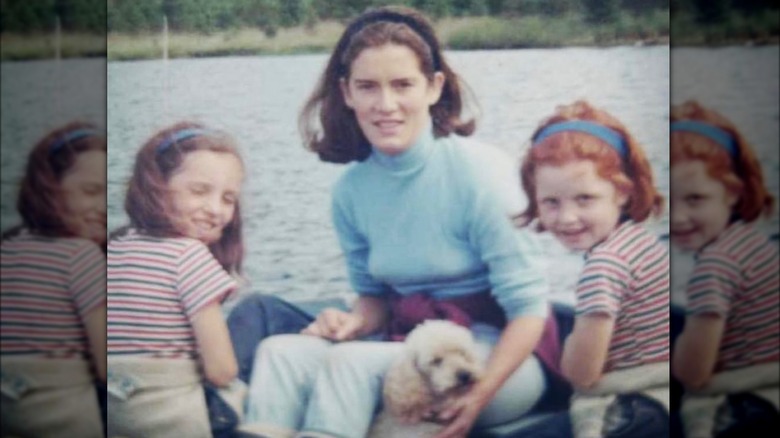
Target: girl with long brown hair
x,y
168,273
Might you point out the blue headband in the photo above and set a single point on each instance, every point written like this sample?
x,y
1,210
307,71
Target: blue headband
x,y
69,137
180,136
712,132
608,135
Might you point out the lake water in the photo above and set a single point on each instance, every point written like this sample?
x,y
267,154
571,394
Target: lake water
x,y
291,247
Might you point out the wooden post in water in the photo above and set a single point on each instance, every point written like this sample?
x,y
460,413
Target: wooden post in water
x,y
166,82
58,91
165,37
57,38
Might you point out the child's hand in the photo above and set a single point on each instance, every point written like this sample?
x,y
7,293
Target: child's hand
x,y
336,325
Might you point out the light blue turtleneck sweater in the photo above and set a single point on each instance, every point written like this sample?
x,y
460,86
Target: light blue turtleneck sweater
x,y
431,220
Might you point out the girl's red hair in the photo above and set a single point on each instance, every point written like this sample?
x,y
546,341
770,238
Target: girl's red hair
x,y
741,175
631,175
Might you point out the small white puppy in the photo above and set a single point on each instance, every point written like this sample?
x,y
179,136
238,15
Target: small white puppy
x,y
439,362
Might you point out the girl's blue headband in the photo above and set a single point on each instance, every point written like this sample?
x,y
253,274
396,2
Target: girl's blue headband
x,y
712,132
608,135
180,135
74,135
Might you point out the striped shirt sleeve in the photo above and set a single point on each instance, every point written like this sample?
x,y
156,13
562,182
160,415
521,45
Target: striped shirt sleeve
x,y
88,278
201,279
712,285
602,284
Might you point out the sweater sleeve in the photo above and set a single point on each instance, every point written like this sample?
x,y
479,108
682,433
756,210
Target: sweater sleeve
x,y
512,256
354,244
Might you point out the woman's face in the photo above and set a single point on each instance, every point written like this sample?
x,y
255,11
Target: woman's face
x,y
84,194
701,206
391,96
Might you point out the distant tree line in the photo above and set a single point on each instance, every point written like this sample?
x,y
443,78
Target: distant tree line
x,y
25,16
717,11
212,15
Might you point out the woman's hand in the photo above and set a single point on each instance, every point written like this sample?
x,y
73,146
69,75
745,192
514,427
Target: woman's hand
x,y
515,345
462,413
368,316
336,325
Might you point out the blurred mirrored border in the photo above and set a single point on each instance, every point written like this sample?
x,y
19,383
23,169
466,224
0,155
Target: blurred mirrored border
x,y
53,193
724,173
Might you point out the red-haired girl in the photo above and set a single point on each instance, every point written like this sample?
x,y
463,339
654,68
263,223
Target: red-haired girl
x,y
589,184
730,338
168,273
52,296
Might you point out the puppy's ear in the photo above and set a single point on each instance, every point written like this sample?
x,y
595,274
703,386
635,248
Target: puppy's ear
x,y
406,394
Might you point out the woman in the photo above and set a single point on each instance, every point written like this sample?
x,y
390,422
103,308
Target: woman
x,y
425,236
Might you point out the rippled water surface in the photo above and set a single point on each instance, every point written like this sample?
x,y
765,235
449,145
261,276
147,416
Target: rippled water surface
x,y
292,249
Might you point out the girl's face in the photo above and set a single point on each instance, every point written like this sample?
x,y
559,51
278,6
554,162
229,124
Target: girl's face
x,y
579,207
391,96
701,206
84,194
204,192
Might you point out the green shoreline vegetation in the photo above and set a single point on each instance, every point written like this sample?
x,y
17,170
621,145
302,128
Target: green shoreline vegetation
x,y
465,33
758,28
470,33
567,26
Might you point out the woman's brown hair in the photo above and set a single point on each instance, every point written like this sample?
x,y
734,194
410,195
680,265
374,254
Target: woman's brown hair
x,y
631,174
337,138
741,174
148,200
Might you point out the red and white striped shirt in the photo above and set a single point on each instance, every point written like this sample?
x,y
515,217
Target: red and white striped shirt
x,y
155,287
627,277
48,287
736,277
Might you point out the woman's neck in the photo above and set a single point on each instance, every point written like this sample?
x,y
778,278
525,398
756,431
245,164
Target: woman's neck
x,y
413,157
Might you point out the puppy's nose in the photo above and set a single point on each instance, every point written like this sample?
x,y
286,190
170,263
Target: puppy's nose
x,y
465,377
